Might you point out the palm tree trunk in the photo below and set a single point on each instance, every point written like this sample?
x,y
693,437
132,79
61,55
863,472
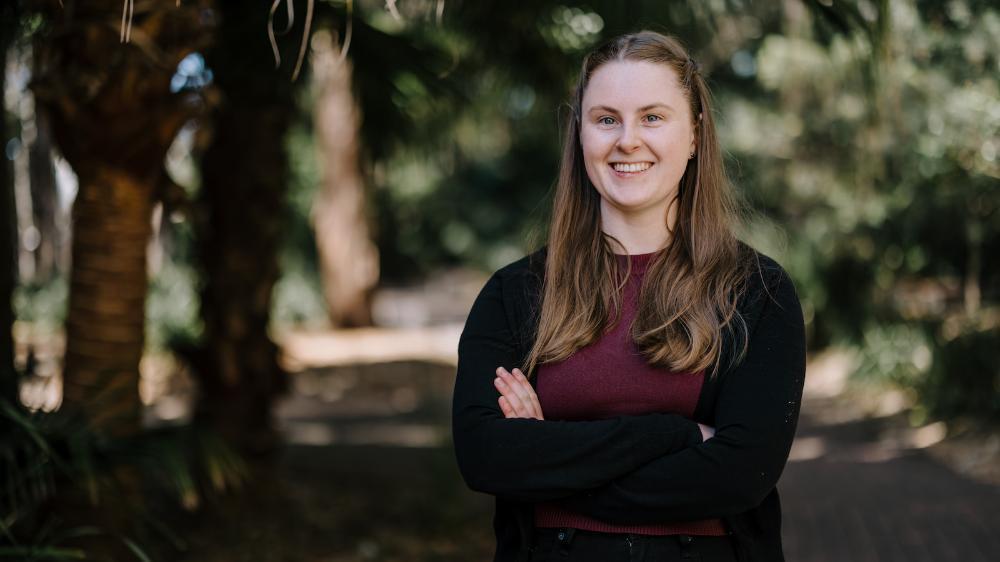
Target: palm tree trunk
x,y
113,117
106,316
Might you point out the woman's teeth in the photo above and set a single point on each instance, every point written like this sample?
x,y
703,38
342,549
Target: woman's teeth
x,y
622,167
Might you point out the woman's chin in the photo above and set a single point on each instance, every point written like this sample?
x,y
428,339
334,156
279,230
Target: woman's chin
x,y
629,206
630,197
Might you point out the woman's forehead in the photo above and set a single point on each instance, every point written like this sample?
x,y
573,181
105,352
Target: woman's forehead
x,y
633,85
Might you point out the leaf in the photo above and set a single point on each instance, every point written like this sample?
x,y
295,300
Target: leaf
x,y
22,553
25,423
139,553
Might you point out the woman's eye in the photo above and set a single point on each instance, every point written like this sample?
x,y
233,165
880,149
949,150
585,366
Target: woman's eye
x,y
653,118
606,120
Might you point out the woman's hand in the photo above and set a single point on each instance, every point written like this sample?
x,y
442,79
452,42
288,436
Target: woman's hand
x,y
707,431
518,398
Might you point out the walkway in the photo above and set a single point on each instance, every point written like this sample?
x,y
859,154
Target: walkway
x,y
870,498
368,475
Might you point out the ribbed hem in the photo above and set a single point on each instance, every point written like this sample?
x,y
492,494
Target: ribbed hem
x,y
551,515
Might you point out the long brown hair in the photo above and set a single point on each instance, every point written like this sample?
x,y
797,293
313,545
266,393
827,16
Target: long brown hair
x,y
691,289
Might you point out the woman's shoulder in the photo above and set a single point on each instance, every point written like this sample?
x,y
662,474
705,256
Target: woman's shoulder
x,y
516,283
764,268
530,263
766,279
765,276
523,272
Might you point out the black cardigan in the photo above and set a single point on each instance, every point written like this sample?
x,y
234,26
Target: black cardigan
x,y
638,468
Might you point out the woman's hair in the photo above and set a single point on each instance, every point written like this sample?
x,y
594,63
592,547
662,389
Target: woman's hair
x,y
690,291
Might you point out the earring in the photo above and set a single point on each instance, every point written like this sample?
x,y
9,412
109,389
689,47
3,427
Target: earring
x,y
691,156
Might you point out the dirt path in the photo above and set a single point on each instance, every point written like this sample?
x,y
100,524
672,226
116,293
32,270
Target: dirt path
x,y
368,474
873,493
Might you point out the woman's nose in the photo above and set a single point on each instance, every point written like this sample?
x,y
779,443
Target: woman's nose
x,y
629,140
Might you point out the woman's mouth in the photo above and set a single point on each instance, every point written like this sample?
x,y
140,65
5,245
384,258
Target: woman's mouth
x,y
630,169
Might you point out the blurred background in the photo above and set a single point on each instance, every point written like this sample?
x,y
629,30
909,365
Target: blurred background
x,y
240,240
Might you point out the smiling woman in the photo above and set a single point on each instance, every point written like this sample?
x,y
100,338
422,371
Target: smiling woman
x,y
637,135
630,391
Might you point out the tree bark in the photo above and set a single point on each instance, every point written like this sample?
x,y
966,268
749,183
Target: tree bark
x,y
8,232
106,316
238,231
348,258
44,200
113,117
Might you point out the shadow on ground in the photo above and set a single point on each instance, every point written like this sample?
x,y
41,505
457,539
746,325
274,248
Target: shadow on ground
x,y
865,495
367,473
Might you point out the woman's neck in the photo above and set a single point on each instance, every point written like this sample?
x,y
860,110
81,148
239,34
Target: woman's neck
x,y
639,232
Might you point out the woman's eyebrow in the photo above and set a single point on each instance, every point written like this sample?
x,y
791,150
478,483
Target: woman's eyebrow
x,y
641,109
656,105
602,108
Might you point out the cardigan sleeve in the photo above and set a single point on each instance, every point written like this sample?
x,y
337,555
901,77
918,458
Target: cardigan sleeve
x,y
534,460
755,418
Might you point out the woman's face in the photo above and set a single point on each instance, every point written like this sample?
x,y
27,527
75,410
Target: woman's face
x,y
637,134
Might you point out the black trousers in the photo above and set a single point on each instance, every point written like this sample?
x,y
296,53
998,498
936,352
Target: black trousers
x,y
576,545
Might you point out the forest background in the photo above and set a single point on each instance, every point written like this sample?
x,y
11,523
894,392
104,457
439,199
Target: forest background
x,y
198,194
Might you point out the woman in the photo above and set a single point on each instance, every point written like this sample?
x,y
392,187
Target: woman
x,y
630,391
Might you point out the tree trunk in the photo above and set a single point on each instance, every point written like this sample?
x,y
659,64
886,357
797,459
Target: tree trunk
x,y
44,200
106,316
348,258
113,117
238,232
8,232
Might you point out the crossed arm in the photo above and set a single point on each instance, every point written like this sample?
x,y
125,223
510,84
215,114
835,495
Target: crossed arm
x,y
631,469
530,459
519,400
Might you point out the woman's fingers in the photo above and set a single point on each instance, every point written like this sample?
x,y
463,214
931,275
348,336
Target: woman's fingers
x,y
531,393
509,402
518,394
508,412
518,410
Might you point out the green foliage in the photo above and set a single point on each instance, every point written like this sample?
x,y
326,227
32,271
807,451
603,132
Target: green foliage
x,y
56,471
878,150
298,297
298,294
172,307
43,305
964,379
865,133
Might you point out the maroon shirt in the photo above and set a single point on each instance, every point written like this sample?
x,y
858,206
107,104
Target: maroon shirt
x,y
610,378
